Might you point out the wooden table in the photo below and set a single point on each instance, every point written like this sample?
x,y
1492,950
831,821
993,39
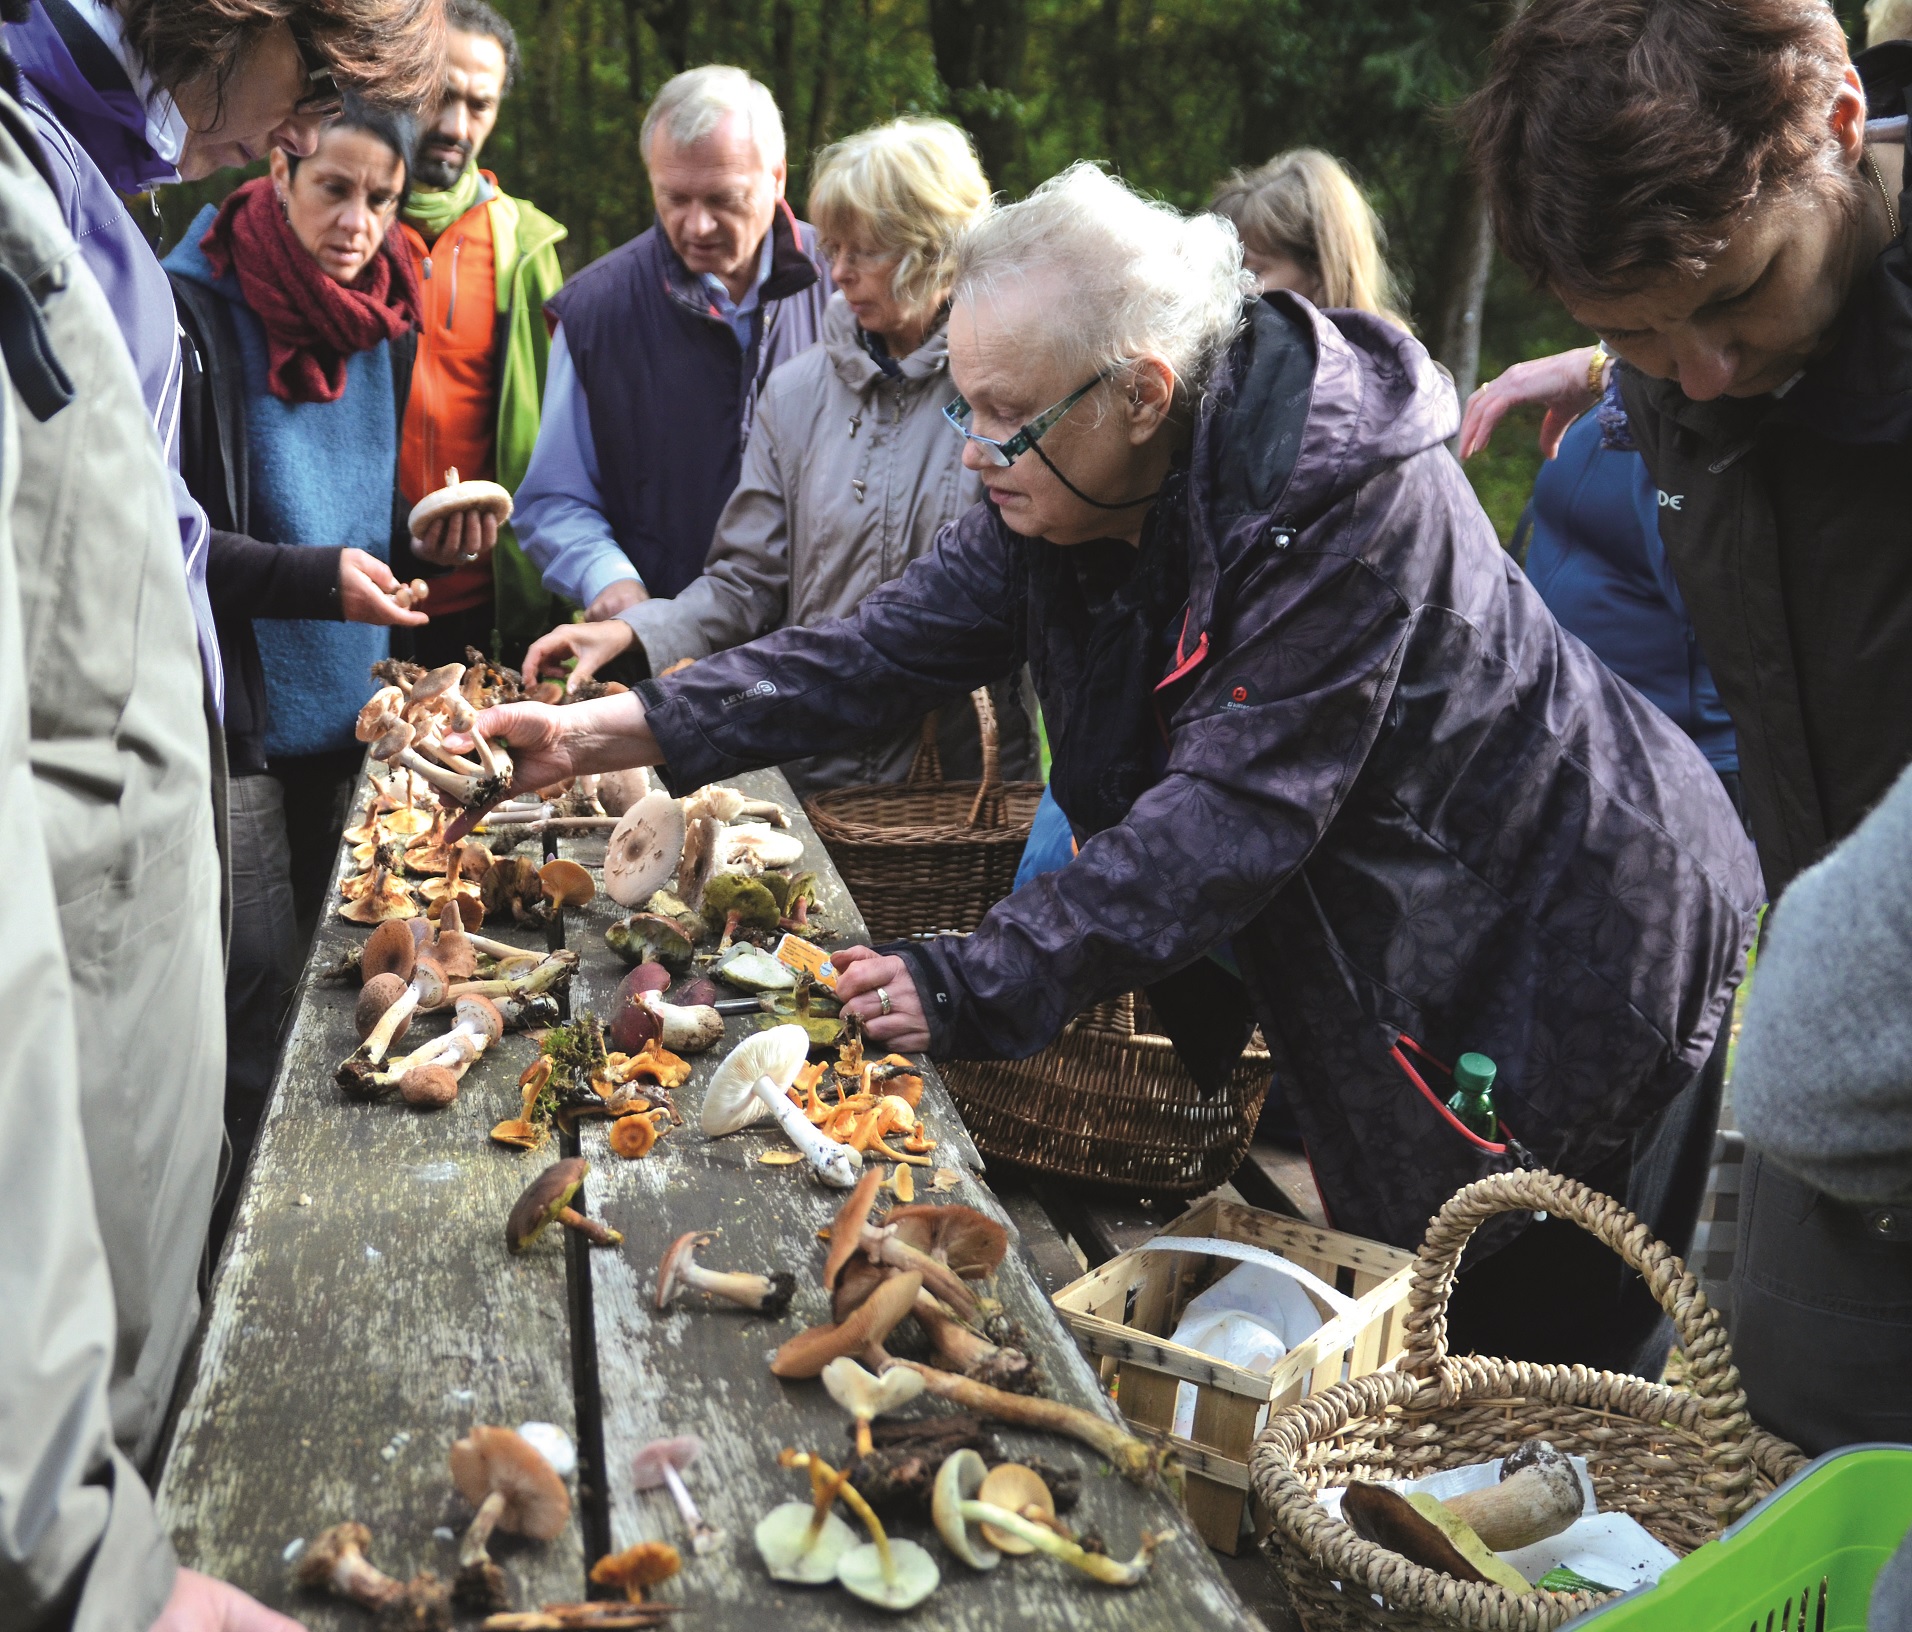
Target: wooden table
x,y
365,1313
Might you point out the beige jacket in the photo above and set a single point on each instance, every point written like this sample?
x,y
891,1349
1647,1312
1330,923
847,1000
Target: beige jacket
x,y
109,956
849,475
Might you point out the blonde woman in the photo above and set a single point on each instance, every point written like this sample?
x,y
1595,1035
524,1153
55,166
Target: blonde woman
x,y
850,470
1305,226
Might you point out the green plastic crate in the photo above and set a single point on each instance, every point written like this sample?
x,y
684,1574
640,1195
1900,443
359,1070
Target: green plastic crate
x,y
1804,1560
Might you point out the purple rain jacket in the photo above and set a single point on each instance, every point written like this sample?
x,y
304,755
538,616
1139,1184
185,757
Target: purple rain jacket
x,y
1409,800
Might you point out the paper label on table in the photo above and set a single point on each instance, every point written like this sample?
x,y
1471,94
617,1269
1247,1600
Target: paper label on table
x,y
807,958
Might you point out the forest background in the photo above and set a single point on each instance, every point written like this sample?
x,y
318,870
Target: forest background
x,y
1172,94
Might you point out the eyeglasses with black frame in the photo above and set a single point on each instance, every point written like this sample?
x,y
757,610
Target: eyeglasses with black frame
x,y
322,98
1005,453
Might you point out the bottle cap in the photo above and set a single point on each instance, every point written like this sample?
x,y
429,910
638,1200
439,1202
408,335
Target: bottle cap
x,y
1474,1074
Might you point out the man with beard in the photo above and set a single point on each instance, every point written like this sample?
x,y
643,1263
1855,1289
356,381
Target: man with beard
x,y
487,263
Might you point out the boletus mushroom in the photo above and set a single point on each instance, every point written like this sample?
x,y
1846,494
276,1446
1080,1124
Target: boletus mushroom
x,y
547,1199
733,901
1424,1533
680,1271
645,937
643,850
514,1489
660,1466
1539,1495
960,1516
456,496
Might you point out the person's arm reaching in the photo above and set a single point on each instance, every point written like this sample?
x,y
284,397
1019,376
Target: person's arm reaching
x,y
559,507
1823,1078
1561,384
251,579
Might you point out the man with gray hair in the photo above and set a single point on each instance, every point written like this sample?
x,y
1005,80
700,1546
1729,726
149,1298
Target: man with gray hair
x,y
661,347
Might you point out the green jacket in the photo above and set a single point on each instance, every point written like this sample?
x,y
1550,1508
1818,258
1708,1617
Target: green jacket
x,y
524,247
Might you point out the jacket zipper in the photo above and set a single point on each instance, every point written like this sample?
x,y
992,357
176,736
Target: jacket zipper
x,y
451,300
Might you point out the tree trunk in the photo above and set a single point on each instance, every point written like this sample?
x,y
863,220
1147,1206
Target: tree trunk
x,y
823,86
783,56
1467,257
981,48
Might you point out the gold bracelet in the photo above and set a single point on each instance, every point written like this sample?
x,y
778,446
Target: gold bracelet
x,y
1597,369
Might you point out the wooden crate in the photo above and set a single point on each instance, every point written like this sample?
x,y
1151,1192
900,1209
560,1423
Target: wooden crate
x,y
1123,1312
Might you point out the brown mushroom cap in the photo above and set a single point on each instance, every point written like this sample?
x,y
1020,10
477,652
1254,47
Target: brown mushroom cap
x,y
456,955
389,949
971,1243
617,791
698,859
806,1354
428,1087
489,1460
476,1010
376,996
435,683
1384,1517
846,1233
566,884
385,704
643,849
485,497
1011,1485
544,1197
633,1136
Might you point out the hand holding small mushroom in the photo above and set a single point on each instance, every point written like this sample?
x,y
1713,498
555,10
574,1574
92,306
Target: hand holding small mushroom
x,y
405,723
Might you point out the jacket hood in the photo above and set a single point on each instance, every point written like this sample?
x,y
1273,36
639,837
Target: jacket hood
x,y
92,98
187,260
857,369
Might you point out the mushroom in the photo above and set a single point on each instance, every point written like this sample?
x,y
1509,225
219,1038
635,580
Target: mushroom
x,y
861,1335
645,937
795,897
1539,1495
852,1231
383,896
960,1516
389,949
617,791
733,902
751,969
1020,1489
480,1024
660,1465
453,948
636,1568
891,1574
761,1294
635,1136
731,804
964,1349
1136,1461
428,1087
336,1562
547,1199
514,1488
643,849
487,498
684,1029
565,884
802,1541
756,1076
755,847
867,1397
1428,1535
547,974
381,1016
698,859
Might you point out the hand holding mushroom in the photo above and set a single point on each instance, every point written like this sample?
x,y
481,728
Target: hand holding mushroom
x,y
406,722
552,745
458,525
864,980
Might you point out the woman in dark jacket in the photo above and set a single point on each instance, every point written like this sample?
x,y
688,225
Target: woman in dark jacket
x,y
1309,724
300,316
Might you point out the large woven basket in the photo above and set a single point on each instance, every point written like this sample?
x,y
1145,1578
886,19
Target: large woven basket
x,y
1109,1102
1685,1461
924,856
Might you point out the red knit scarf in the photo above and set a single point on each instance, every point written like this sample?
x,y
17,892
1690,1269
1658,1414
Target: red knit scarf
x,y
313,323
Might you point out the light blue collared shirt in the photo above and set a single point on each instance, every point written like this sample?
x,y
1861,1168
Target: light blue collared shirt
x,y
559,506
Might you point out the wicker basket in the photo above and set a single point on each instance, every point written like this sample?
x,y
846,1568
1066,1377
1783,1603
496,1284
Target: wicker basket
x,y
1684,1462
1109,1102
924,856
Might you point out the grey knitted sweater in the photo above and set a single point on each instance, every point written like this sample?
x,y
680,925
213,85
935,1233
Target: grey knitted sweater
x,y
1823,1081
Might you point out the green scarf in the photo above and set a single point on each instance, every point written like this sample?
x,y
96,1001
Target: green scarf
x,y
432,212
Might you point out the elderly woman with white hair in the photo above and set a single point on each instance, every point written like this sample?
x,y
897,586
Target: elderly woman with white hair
x,y
850,471
1332,766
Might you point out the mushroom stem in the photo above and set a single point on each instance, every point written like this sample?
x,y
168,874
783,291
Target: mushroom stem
x,y
703,1535
547,973
1134,1459
475,1547
837,1165
347,1571
885,1247
853,1498
736,1286
597,1232
970,1352
374,1047
1114,1572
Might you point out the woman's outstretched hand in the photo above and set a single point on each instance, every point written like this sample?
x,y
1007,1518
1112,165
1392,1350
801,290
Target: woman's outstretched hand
x,y
592,644
549,745
1558,384
860,971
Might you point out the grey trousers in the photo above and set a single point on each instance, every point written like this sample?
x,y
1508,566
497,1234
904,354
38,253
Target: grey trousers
x,y
263,965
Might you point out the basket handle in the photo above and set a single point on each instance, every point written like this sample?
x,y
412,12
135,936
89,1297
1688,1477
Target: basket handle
x,y
926,769
1726,1426
988,802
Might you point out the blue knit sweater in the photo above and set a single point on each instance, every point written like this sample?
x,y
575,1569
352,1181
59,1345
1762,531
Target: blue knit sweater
x,y
322,474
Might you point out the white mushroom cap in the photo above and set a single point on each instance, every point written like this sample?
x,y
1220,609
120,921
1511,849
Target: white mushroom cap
x,y
780,1536
754,846
863,1394
647,1467
643,850
916,1576
457,495
731,1102
957,1481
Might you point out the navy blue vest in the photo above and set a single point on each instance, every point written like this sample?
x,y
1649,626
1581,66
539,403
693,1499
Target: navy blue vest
x,y
671,393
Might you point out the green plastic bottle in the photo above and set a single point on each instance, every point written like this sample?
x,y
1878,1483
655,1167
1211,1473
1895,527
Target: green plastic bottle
x,y
1473,1100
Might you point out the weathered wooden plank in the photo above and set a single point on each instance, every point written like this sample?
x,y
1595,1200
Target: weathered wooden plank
x,y
364,1315
703,1370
